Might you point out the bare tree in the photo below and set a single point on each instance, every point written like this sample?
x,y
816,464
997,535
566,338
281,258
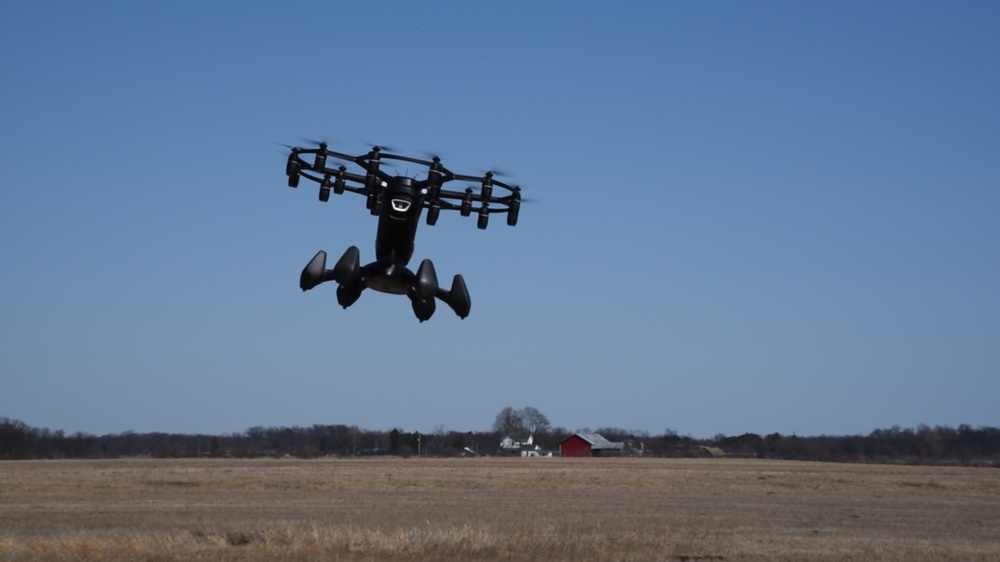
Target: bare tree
x,y
509,423
535,422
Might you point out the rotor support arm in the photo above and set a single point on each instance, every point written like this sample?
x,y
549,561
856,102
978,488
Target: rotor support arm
x,y
373,180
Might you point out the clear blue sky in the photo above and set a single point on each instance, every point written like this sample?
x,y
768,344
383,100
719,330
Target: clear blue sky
x,y
750,217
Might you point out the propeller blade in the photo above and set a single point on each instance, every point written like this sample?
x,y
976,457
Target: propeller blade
x,y
432,155
381,147
318,142
499,172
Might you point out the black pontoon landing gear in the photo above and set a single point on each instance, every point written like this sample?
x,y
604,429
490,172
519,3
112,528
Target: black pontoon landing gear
x,y
457,298
347,272
387,277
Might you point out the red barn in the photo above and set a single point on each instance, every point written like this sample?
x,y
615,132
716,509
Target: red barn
x,y
589,445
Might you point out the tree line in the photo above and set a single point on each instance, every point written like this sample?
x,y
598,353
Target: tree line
x,y
963,445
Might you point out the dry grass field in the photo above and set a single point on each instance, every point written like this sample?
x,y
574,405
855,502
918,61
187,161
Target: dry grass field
x,y
498,508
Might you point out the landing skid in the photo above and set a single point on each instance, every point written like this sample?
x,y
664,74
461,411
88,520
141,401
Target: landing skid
x,y
387,277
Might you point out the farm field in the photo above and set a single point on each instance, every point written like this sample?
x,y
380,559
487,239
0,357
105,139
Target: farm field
x,y
495,508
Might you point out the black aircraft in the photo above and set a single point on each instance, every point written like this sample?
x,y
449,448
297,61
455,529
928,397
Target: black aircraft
x,y
398,201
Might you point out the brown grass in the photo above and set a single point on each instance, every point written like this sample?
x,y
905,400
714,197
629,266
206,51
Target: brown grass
x,y
488,509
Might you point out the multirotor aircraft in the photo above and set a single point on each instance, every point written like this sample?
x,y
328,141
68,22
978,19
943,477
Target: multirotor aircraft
x,y
398,201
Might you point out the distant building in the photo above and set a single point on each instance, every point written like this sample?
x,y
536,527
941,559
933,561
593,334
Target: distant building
x,y
509,446
711,451
589,445
692,451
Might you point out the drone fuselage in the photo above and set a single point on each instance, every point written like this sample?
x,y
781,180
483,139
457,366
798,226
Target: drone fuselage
x,y
399,216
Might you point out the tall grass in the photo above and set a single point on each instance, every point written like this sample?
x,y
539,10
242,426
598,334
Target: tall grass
x,y
296,541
